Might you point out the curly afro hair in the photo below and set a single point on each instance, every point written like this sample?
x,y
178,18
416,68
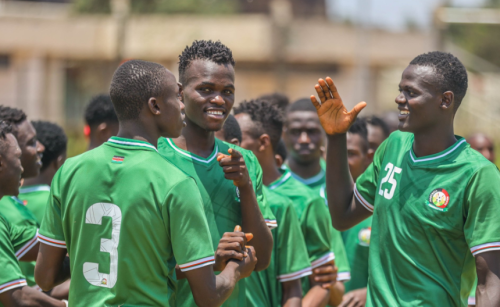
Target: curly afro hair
x,y
13,117
100,110
451,74
231,129
204,50
267,117
278,99
133,83
53,138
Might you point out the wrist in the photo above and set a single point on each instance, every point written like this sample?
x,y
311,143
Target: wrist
x,y
232,270
246,186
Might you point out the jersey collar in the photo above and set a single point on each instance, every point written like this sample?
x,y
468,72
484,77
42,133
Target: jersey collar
x,y
192,156
310,180
440,156
34,188
278,182
130,143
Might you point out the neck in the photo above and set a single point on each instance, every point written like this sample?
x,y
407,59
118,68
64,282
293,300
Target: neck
x,y
429,142
270,171
196,140
305,170
44,178
136,130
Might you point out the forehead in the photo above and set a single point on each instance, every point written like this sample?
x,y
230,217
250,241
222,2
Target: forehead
x,y
170,82
245,122
419,76
208,71
354,140
480,141
25,131
307,119
11,142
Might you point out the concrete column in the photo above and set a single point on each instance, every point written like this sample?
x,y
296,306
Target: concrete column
x,y
54,94
31,85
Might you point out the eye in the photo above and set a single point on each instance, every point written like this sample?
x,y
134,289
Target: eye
x,y
228,92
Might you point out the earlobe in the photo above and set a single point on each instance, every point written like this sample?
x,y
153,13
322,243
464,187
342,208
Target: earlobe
x,y
447,100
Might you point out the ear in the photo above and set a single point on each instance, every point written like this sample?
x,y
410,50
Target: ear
x,y
59,161
370,154
235,141
279,160
102,127
264,142
153,106
181,91
448,100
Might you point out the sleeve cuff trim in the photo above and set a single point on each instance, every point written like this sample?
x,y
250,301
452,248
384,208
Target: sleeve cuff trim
x,y
52,242
344,276
12,285
493,246
326,258
363,201
471,300
27,247
271,223
295,275
197,264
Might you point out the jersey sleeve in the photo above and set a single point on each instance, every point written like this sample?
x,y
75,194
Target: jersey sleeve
x,y
51,231
189,233
365,188
293,260
316,226
259,194
341,261
23,238
482,230
11,276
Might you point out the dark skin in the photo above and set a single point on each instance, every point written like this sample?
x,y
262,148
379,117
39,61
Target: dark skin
x,y
426,112
159,117
10,174
483,144
375,137
208,93
31,148
100,133
220,135
303,137
48,173
323,276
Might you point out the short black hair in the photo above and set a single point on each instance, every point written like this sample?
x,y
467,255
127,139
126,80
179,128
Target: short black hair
x,y
53,138
281,150
450,72
378,122
133,83
231,129
359,127
303,104
209,50
266,117
100,110
278,99
13,117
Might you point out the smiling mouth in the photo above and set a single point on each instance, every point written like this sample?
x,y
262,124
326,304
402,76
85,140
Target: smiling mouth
x,y
213,112
404,112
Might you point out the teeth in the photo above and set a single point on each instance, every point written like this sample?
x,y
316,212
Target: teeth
x,y
404,112
215,112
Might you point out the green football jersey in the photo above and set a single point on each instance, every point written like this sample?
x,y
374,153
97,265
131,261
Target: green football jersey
x,y
318,185
15,242
221,201
35,199
432,215
357,243
125,183
289,259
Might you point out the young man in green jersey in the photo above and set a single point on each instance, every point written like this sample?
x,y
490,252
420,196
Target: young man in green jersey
x,y
123,212
101,122
304,139
230,186
435,200
17,243
261,124
357,239
12,207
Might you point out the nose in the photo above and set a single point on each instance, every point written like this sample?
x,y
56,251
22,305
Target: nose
x,y
400,99
218,100
304,138
39,147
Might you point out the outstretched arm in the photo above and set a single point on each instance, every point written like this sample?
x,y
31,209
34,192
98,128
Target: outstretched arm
x,y
488,279
252,220
336,120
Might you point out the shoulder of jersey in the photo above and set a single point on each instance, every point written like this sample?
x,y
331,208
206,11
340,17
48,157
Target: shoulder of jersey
x,y
276,199
247,154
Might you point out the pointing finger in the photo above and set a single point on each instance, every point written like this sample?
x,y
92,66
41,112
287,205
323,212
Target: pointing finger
x,y
234,153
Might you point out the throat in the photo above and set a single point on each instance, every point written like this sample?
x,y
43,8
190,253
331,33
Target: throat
x,y
305,170
196,140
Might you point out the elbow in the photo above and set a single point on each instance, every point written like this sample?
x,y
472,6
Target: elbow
x,y
340,224
262,265
205,302
44,281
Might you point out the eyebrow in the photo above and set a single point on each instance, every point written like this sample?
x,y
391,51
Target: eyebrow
x,y
213,84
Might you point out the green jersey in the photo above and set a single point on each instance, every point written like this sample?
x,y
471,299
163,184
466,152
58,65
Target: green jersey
x,y
318,184
432,215
357,243
15,242
289,260
125,183
220,199
35,199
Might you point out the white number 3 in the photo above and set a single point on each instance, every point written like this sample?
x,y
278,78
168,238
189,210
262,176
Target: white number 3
x,y
391,170
90,269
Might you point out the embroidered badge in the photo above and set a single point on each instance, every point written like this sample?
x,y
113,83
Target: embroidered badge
x,y
439,199
364,236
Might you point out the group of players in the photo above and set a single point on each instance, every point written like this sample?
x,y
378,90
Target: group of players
x,y
179,203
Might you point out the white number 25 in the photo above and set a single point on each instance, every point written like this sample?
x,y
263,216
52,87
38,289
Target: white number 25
x,y
91,269
391,170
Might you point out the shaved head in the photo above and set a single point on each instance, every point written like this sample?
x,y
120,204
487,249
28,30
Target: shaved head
x,y
482,143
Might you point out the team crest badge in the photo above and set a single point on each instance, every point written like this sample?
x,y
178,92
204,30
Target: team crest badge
x,y
104,281
364,236
439,199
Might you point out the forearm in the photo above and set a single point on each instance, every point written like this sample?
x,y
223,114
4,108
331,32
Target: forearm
x,y
253,222
488,279
336,293
27,296
316,297
61,292
292,293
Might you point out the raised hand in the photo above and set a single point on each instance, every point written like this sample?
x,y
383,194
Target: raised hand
x,y
332,113
234,168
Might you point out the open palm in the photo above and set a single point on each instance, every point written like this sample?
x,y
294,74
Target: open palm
x,y
332,113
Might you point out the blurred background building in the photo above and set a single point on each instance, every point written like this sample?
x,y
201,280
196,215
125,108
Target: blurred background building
x,y
55,55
